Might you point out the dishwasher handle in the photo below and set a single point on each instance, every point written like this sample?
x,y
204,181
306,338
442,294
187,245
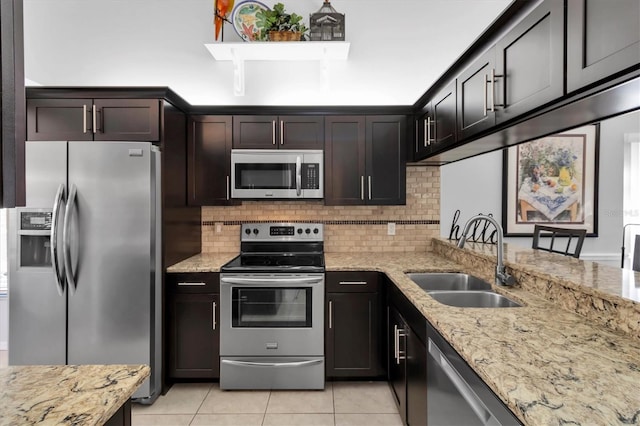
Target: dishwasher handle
x,y
461,385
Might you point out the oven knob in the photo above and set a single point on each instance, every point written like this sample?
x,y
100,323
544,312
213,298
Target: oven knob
x,y
247,231
315,230
255,231
299,230
307,231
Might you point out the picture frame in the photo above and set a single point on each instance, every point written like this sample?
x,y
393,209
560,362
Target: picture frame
x,y
552,181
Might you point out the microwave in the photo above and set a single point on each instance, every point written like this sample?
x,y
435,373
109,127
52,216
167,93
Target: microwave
x,y
277,174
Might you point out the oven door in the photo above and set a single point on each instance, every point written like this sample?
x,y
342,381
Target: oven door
x,y
272,315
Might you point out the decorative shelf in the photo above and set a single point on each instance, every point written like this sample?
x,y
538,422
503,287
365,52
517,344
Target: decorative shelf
x,y
238,53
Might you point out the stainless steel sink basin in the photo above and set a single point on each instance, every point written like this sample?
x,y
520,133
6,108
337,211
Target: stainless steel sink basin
x,y
449,281
473,299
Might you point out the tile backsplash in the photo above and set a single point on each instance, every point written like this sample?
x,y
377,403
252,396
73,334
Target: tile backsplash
x,y
347,228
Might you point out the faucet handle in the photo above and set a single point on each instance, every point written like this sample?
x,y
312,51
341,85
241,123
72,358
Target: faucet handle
x,y
504,278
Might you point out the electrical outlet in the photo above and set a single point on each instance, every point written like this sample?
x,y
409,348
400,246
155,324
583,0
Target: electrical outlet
x,y
218,228
391,228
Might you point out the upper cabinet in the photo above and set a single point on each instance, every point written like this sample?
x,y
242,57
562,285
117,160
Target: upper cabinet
x,y
93,119
209,159
436,127
475,112
603,38
365,160
278,132
529,63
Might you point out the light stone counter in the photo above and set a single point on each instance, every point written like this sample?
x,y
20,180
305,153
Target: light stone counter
x,y
203,262
571,354
66,394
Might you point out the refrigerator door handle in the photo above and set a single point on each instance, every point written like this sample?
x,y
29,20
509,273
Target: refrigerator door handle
x,y
55,218
66,239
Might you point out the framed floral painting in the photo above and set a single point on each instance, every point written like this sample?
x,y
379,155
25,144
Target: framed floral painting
x,y
552,181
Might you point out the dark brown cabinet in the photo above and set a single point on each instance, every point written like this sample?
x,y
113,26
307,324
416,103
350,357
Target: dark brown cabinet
x,y
436,128
397,330
93,119
353,344
193,341
278,132
423,137
529,63
474,107
209,159
603,38
365,160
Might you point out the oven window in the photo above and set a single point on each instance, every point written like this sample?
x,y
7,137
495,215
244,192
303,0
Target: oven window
x,y
271,307
265,176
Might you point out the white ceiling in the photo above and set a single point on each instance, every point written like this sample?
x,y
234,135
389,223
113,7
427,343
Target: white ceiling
x,y
398,49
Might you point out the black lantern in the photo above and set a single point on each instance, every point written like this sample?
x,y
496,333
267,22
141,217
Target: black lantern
x,y
326,24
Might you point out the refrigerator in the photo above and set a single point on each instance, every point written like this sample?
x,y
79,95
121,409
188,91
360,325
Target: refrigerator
x,y
85,258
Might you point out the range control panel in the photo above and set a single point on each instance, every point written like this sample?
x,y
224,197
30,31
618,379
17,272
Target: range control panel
x,y
282,232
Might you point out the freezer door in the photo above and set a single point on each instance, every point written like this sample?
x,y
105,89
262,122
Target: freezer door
x,y
45,169
37,313
111,231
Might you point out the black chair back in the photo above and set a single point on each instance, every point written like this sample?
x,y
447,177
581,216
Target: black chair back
x,y
571,235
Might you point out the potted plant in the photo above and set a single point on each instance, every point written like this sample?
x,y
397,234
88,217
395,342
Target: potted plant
x,y
277,25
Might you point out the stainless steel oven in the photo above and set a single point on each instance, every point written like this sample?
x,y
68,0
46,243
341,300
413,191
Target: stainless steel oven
x,y
277,174
272,309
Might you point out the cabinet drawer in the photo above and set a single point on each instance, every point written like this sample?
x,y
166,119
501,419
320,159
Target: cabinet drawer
x,y
193,282
352,282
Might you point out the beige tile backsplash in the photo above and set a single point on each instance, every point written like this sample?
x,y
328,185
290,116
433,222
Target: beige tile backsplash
x,y
347,228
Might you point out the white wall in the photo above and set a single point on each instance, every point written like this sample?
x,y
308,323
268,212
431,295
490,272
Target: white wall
x,y
4,323
475,186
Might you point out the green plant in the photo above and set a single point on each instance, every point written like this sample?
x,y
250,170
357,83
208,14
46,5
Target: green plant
x,y
277,19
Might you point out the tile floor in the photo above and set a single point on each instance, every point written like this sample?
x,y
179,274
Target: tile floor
x,y
340,404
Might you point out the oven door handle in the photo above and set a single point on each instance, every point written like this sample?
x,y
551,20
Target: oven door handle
x,y
271,364
254,281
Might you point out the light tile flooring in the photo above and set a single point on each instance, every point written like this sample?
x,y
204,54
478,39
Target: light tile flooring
x,y
340,404
199,404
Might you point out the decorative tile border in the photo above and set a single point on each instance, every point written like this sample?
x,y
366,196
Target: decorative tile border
x,y
328,222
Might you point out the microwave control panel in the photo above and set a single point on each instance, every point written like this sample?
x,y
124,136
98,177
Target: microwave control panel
x,y
310,176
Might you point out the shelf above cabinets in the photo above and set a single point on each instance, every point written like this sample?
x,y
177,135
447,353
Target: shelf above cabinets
x,y
238,53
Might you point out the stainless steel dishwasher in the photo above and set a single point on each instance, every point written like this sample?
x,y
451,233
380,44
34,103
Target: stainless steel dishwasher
x,y
455,393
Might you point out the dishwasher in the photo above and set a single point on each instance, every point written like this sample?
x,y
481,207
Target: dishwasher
x,y
455,393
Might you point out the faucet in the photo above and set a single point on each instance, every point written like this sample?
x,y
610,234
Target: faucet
x,y
502,277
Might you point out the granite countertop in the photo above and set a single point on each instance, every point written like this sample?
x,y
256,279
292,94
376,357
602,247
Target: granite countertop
x,y
66,394
203,262
547,361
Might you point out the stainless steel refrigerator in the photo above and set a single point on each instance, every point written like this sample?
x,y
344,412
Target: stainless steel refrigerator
x,y
85,258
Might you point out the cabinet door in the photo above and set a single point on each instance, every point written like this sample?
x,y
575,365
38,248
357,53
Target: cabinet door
x,y
530,62
127,120
301,132
255,131
194,338
209,160
474,114
416,380
352,335
59,120
397,365
603,38
385,160
423,133
444,117
344,160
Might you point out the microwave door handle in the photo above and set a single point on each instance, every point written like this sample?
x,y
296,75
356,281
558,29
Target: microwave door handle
x,y
298,176
58,269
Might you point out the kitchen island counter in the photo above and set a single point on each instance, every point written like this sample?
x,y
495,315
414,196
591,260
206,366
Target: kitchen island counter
x,y
66,394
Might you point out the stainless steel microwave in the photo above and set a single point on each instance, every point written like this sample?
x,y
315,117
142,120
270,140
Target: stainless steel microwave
x,y
277,173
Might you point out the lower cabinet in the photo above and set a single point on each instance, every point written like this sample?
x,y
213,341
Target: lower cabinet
x,y
193,340
353,341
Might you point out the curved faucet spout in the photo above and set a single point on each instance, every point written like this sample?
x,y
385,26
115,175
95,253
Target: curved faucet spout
x,y
502,277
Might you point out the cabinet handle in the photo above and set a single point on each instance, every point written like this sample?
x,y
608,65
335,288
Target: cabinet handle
x,y
492,91
228,187
401,354
191,284
484,95
426,138
369,187
281,132
84,119
273,132
352,283
362,188
428,132
95,121
214,315
396,343
330,314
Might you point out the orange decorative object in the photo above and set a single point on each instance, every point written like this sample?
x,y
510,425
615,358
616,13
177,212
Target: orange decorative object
x,y
221,9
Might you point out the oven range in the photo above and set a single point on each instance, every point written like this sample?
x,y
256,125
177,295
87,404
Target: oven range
x,y
272,309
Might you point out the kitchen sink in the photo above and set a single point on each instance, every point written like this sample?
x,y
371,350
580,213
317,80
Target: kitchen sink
x,y
474,299
439,281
